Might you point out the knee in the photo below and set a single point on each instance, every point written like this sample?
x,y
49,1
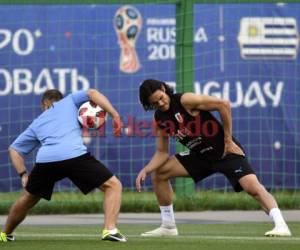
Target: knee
x,y
27,200
158,176
113,184
255,190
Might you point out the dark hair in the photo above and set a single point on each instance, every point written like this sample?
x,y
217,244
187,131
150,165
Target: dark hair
x,y
148,87
53,95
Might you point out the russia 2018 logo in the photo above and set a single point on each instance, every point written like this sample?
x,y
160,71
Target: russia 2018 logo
x,y
128,24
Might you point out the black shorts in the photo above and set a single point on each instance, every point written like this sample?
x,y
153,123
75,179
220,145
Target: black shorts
x,y
233,166
84,171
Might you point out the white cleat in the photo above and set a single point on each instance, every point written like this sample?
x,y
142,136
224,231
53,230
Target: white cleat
x,y
161,231
279,232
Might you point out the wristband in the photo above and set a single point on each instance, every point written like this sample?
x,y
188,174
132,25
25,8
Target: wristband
x,y
21,174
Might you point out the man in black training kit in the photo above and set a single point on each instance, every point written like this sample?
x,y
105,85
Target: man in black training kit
x,y
212,149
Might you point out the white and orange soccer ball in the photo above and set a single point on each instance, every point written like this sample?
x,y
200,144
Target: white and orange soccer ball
x,y
91,116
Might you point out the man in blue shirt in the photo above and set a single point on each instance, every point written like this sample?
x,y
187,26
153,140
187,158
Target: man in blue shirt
x,y
62,154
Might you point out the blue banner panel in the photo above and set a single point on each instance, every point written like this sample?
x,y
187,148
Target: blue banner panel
x,y
74,47
250,57
249,54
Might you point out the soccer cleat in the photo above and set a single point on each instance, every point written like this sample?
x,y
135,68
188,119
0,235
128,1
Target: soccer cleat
x,y
161,231
4,237
279,231
106,235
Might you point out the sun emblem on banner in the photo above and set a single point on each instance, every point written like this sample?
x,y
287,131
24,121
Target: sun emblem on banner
x,y
128,24
269,38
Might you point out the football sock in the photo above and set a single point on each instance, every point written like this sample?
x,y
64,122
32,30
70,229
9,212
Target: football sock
x,y
112,231
276,216
167,216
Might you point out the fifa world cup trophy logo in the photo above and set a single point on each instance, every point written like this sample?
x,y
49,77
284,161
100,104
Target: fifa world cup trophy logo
x,y
128,24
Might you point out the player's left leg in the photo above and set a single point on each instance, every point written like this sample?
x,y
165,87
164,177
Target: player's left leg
x,y
242,177
254,188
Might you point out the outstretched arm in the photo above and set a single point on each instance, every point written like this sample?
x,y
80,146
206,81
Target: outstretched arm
x,y
160,156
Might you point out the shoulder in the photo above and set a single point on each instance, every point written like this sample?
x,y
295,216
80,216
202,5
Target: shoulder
x,y
189,99
37,120
79,94
79,97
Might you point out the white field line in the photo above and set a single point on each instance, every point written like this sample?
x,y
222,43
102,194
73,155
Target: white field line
x,y
213,237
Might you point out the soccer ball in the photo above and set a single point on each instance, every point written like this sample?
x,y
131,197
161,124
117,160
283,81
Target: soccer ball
x,y
91,116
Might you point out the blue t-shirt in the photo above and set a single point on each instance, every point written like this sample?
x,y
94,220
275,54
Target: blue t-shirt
x,y
56,130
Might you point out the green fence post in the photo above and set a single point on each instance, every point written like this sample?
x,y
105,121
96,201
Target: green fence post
x,y
184,187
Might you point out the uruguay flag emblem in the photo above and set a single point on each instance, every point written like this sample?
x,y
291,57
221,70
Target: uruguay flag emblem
x,y
268,38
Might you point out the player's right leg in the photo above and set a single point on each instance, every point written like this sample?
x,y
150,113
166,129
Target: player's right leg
x,y
164,193
112,189
17,214
87,173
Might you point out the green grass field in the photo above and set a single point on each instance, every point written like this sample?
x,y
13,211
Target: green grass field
x,y
241,236
76,203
